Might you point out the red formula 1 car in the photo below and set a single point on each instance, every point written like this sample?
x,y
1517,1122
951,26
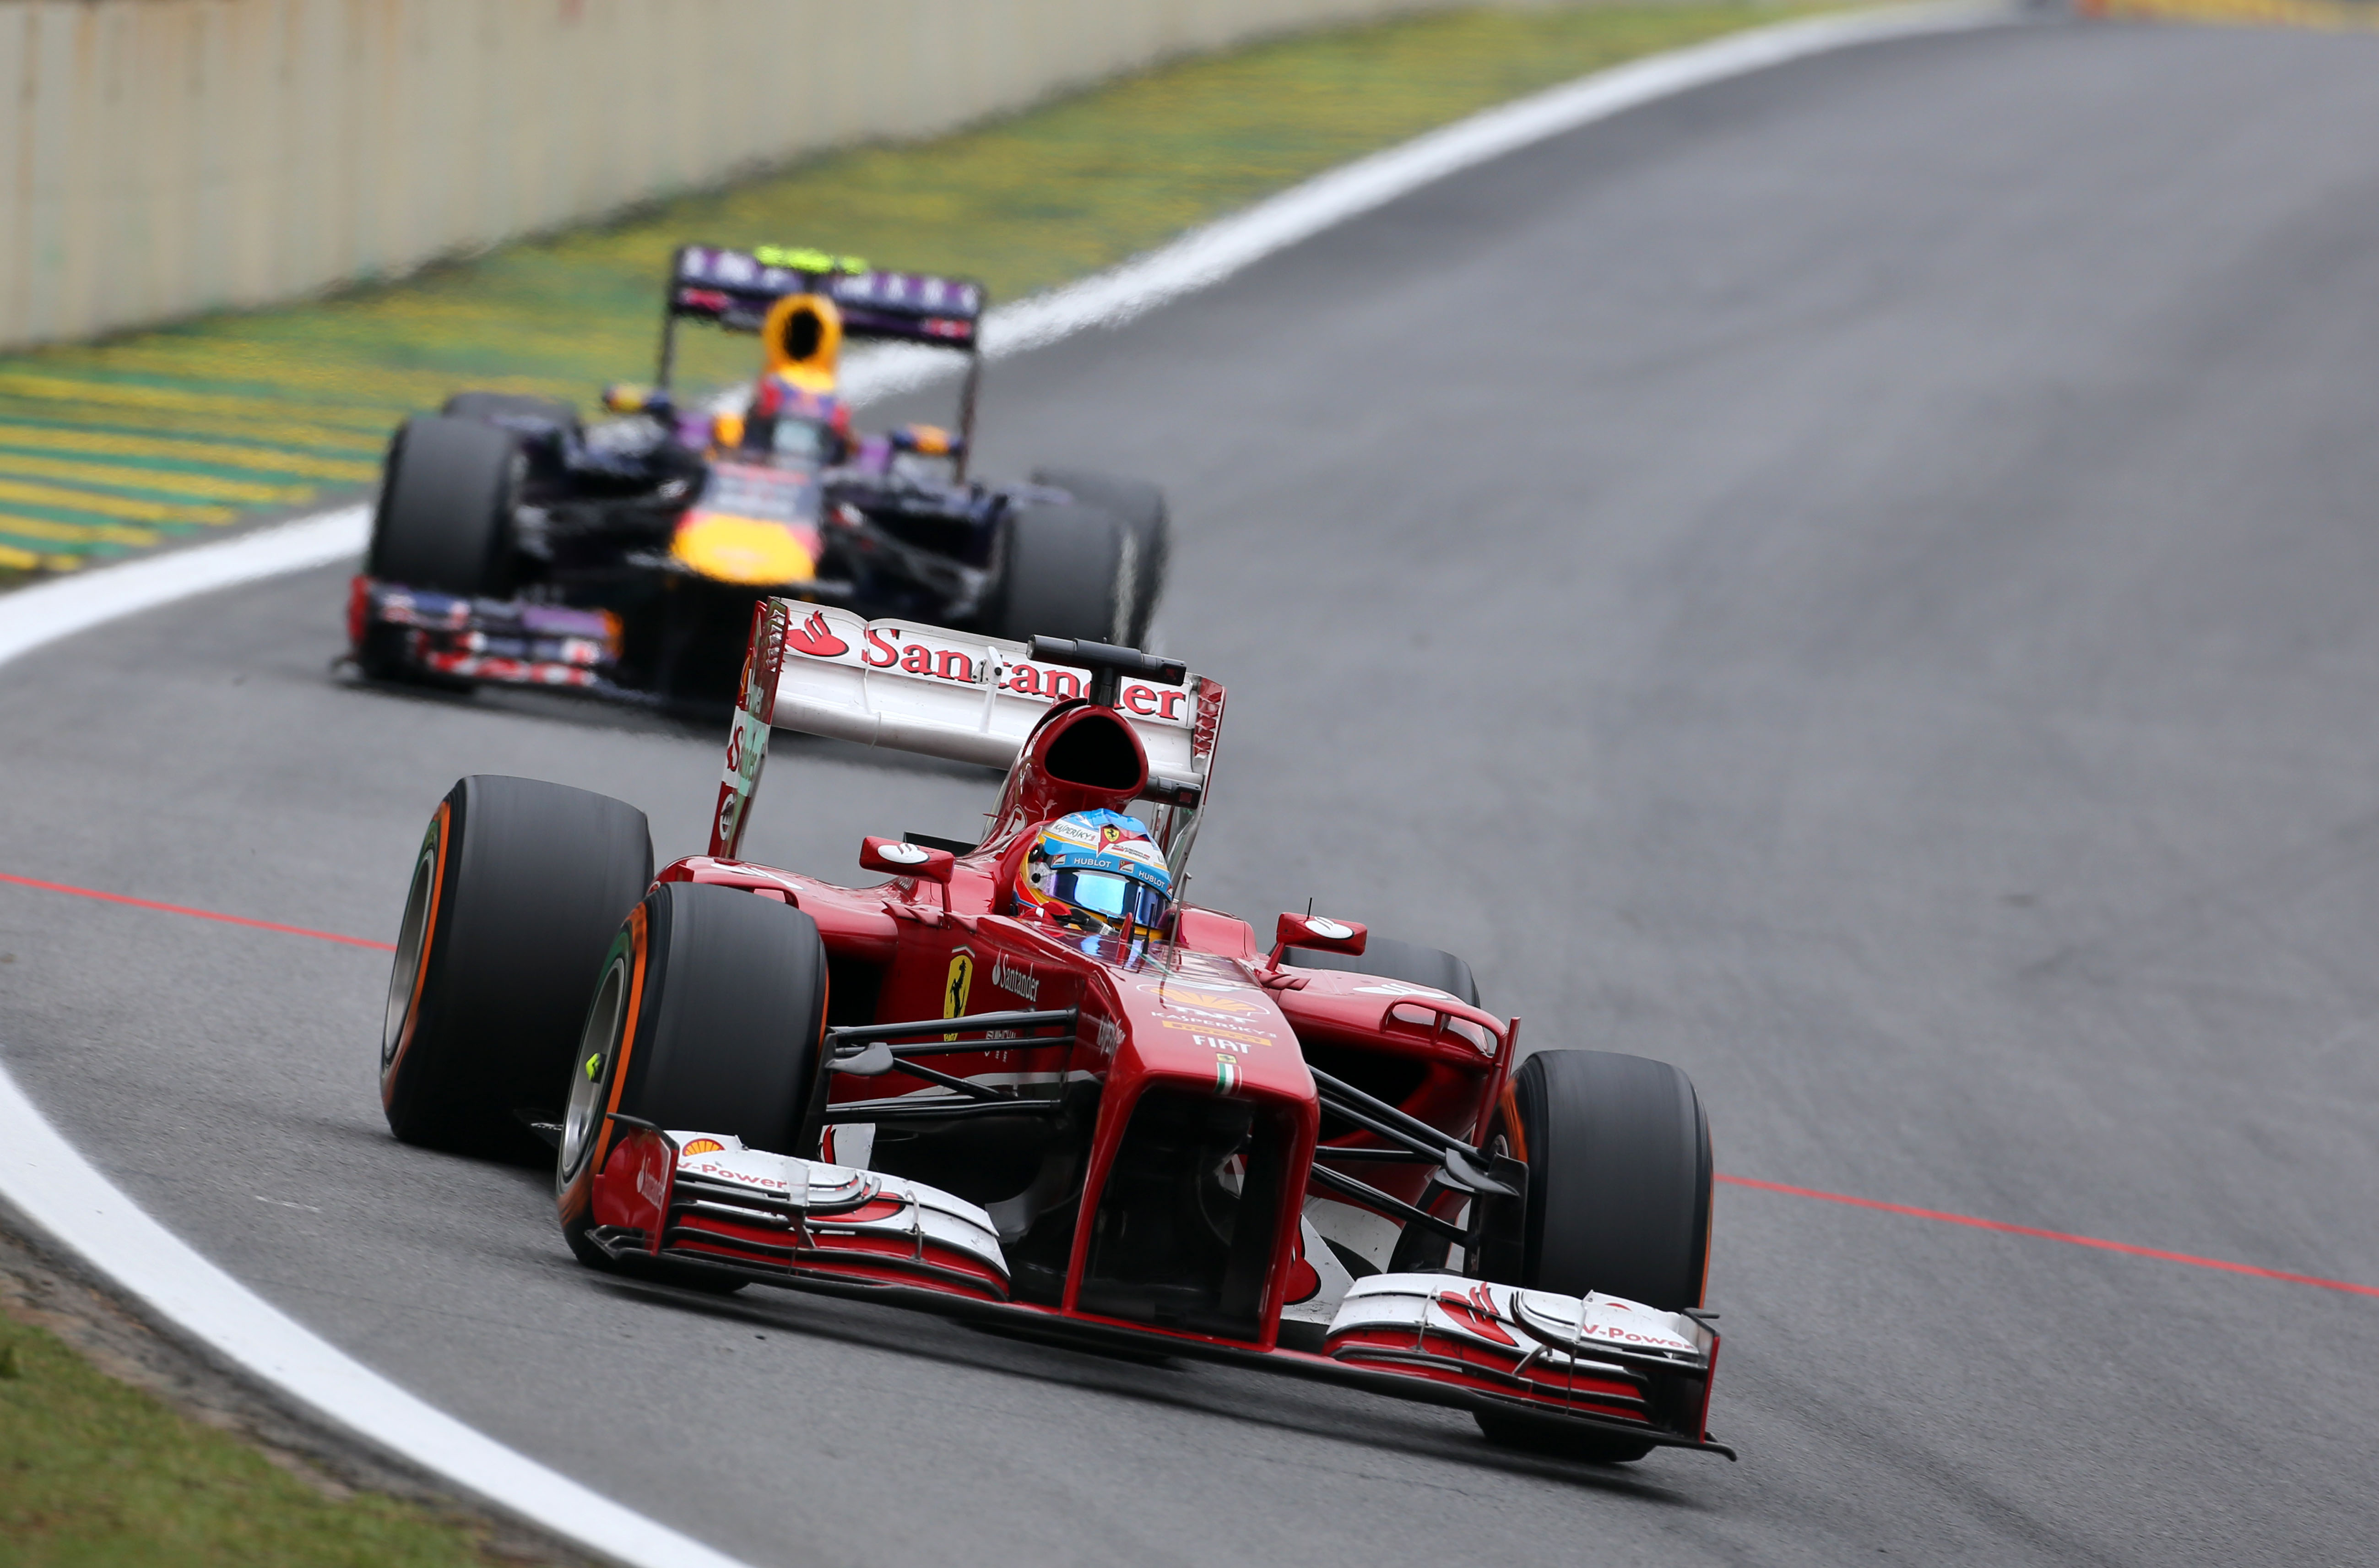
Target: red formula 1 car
x,y
1320,1158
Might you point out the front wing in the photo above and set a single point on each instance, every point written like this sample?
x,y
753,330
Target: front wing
x,y
705,1202
500,642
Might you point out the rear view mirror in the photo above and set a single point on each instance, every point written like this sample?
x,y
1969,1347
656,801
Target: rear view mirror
x,y
1319,933
901,858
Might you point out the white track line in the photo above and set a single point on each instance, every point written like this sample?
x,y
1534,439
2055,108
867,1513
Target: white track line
x,y
63,1193
56,1188
35,616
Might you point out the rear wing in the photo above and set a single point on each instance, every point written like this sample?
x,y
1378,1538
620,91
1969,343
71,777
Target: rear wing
x,y
735,289
910,687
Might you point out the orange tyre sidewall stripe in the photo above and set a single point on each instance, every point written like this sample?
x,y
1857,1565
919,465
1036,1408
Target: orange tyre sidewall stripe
x,y
640,946
578,1198
442,823
1710,1229
1508,1103
820,1084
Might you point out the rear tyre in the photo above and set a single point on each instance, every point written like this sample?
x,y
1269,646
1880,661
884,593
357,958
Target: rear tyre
x,y
516,891
544,427
1065,572
706,1018
491,407
1618,1150
1391,959
1139,507
444,522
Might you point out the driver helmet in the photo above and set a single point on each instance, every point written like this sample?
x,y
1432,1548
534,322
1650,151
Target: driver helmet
x,y
1096,872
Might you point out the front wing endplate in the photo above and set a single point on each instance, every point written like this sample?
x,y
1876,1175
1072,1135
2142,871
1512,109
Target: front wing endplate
x,y
1596,1356
703,1198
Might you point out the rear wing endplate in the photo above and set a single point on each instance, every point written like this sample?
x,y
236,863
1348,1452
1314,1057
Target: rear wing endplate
x,y
910,687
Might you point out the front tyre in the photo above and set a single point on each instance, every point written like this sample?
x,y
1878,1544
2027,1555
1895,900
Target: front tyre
x,y
1389,959
1618,1150
516,889
444,521
706,1017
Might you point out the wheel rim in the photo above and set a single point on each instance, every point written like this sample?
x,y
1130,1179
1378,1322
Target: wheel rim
x,y
590,1071
412,938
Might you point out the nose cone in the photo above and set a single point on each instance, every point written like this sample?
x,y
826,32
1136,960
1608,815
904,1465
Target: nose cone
x,y
745,550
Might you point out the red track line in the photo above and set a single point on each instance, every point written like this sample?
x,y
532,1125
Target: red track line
x,y
198,914
1946,1218
2190,1258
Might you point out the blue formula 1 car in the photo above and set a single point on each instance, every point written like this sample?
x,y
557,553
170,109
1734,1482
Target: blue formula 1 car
x,y
513,545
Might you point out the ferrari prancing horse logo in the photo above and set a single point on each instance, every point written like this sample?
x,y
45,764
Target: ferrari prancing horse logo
x,y
954,989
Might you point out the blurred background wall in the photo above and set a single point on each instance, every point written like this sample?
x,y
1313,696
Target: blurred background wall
x,y
159,158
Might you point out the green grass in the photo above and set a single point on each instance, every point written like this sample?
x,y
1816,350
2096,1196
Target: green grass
x,y
93,1472
300,398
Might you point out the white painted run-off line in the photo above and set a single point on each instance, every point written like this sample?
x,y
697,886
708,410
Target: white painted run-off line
x,y
62,1192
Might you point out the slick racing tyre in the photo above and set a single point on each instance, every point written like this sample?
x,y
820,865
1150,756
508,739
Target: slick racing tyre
x,y
1618,1150
444,522
516,891
1064,572
1391,959
708,1018
492,407
1139,507
543,426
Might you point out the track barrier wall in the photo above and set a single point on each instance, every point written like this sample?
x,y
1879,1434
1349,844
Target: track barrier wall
x,y
161,158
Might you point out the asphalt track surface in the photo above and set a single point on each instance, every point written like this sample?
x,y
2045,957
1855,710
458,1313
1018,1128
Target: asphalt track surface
x,y
1858,581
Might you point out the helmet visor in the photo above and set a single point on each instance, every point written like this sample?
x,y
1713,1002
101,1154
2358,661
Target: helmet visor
x,y
1122,901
